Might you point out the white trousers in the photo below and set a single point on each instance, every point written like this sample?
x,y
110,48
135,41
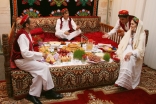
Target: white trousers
x,y
73,34
41,75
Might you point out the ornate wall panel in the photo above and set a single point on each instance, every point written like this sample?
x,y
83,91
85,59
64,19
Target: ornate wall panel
x,y
37,8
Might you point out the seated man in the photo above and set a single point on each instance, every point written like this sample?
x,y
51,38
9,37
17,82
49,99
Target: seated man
x,y
124,22
26,59
66,29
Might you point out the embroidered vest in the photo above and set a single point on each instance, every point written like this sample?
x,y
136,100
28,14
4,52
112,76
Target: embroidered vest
x,y
123,26
16,53
69,23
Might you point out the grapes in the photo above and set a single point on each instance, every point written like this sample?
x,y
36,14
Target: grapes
x,y
63,52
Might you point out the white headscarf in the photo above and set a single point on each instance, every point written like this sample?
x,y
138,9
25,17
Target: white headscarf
x,y
138,43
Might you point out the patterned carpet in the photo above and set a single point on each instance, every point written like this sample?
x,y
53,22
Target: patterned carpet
x,y
147,84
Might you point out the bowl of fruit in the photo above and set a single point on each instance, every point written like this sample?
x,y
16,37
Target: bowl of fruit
x,y
64,55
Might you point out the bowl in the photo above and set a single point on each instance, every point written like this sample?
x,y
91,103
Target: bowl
x,y
108,49
55,44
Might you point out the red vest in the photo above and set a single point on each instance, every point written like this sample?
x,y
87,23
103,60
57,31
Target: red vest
x,y
69,23
16,53
123,26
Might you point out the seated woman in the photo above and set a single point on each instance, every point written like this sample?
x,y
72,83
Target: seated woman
x,y
66,28
131,52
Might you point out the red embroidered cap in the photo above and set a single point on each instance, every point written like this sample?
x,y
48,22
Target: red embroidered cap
x,y
64,10
123,12
24,19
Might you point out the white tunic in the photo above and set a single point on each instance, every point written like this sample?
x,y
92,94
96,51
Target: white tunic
x,y
65,27
130,71
39,71
117,27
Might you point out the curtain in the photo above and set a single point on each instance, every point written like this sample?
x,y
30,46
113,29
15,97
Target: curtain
x,y
102,10
150,24
4,19
145,10
135,7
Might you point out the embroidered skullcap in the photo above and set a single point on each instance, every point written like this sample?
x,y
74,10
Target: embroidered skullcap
x,y
24,19
136,20
64,10
123,12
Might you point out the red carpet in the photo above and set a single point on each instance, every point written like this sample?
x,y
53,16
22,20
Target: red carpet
x,y
97,96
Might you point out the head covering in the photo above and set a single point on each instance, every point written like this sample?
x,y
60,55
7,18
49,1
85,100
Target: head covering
x,y
138,43
123,12
24,19
135,19
64,10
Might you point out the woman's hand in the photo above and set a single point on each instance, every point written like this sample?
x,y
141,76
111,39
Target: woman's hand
x,y
127,56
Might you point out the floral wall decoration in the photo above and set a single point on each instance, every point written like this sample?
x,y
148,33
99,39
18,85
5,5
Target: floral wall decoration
x,y
83,12
58,2
56,13
31,12
43,8
83,2
31,2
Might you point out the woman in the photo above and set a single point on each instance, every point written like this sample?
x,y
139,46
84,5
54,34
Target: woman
x,y
131,52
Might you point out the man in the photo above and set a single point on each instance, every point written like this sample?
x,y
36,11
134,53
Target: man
x,y
123,22
66,29
26,59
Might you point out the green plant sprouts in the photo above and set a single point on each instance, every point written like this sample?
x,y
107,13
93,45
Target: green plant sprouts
x,y
78,54
106,57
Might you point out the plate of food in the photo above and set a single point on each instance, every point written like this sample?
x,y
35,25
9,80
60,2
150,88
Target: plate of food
x,y
100,54
55,44
63,43
94,62
100,45
109,49
46,44
94,59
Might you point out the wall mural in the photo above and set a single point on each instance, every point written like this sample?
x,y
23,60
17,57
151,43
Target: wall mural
x,y
40,8
58,2
83,2
31,2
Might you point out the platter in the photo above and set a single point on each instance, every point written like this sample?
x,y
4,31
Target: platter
x,y
108,49
94,61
